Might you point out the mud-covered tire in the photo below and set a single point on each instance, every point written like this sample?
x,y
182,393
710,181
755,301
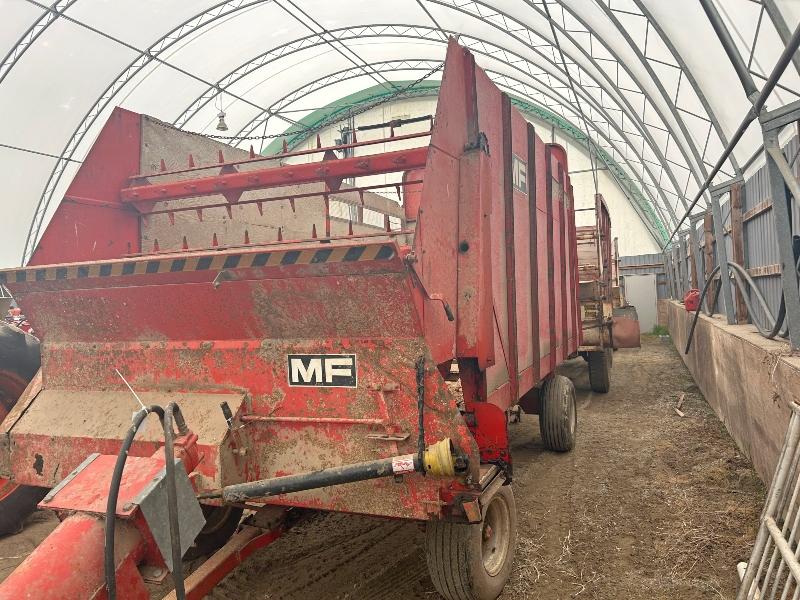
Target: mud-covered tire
x,y
221,523
600,371
19,362
558,415
474,561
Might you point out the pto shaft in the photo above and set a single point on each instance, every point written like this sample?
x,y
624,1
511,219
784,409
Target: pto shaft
x,y
438,460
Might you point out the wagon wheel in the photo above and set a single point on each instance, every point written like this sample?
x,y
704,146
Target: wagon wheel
x,y
599,371
473,561
19,361
558,416
221,523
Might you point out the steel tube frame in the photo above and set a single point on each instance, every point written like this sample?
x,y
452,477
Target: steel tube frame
x,y
779,179
689,75
749,85
189,112
758,105
190,25
722,252
622,102
697,253
775,496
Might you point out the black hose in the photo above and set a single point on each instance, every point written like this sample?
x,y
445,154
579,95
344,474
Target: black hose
x,y
699,307
113,496
774,326
420,409
173,412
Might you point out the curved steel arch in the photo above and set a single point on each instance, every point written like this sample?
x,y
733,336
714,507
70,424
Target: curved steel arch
x,y
226,8
609,89
26,40
657,81
689,75
687,138
174,36
292,47
189,27
345,74
641,204
259,120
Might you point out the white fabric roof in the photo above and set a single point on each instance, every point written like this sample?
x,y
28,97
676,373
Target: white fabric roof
x,y
654,86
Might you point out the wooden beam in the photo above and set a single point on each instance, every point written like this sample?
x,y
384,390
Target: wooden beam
x,y
737,236
759,208
764,270
708,250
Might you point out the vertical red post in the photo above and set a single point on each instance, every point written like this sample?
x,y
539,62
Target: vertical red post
x,y
536,348
551,293
512,352
563,258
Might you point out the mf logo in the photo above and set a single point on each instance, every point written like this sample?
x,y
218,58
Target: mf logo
x,y
327,370
519,174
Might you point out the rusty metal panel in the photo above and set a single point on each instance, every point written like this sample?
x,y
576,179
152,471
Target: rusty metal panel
x,y
63,426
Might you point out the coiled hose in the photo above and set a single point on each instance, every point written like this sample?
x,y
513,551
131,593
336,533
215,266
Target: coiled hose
x,y
169,417
774,325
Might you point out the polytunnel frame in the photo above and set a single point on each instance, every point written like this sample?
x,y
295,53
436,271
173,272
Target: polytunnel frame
x,y
188,27
246,70
335,111
780,177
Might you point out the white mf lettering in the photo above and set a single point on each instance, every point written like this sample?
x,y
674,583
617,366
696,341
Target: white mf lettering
x,y
307,374
341,367
519,173
332,370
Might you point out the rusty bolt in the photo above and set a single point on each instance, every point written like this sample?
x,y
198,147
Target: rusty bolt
x,y
128,507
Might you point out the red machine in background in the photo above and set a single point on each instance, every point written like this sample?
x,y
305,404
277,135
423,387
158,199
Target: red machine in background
x,y
607,321
325,388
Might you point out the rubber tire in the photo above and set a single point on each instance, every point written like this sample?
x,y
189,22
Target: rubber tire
x,y
558,415
221,523
455,559
599,372
19,361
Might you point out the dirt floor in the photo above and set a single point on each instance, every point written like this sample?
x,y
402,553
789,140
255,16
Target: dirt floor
x,y
649,505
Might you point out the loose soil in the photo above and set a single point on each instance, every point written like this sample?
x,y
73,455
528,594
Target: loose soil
x,y
648,505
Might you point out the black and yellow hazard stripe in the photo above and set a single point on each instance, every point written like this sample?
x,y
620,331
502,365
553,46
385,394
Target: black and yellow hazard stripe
x,y
213,262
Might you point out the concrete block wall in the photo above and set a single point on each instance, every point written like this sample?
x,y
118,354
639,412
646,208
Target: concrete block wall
x,y
748,380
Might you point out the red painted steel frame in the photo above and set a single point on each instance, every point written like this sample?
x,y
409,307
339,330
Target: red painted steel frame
x,y
77,573
493,244
244,543
233,184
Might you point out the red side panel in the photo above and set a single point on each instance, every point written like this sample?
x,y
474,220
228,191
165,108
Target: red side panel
x,y
91,223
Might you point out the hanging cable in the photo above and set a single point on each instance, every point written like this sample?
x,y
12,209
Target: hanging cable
x,y
312,130
589,142
39,153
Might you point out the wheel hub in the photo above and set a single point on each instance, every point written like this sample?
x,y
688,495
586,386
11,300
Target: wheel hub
x,y
495,536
